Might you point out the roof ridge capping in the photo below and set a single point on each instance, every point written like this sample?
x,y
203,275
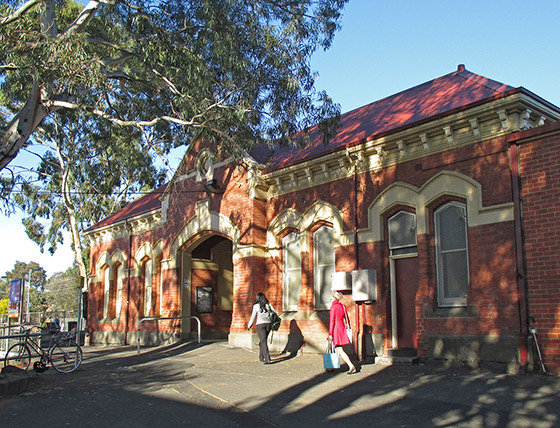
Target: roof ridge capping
x,y
461,71
491,84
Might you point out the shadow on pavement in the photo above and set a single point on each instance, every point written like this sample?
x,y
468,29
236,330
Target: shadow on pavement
x,y
212,384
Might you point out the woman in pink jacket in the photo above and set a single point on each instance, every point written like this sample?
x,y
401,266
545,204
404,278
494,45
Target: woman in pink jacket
x,y
337,330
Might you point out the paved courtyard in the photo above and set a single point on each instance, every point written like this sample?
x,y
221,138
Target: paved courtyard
x,y
214,384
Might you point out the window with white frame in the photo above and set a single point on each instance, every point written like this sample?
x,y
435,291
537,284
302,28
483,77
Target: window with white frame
x,y
291,255
323,266
402,234
452,254
106,290
147,286
159,276
119,281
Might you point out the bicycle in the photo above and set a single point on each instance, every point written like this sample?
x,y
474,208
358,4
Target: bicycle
x,y
63,353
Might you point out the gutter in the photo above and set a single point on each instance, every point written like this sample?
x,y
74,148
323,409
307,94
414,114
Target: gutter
x,y
521,274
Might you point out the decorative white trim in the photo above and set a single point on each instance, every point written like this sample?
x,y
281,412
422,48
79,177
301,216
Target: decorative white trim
x,y
448,130
291,218
445,183
134,225
204,220
475,127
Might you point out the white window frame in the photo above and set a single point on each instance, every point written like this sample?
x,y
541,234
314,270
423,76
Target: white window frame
x,y
160,265
147,287
318,267
106,290
443,300
290,272
119,275
409,248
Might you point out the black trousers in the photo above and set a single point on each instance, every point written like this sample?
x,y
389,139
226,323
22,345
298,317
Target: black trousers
x,y
263,330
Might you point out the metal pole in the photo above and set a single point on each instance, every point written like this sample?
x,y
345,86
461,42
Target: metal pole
x,y
78,326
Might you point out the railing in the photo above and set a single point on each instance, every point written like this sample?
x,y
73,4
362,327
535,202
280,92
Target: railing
x,y
158,319
5,338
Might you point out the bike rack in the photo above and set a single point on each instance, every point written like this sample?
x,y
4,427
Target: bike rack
x,y
166,318
7,337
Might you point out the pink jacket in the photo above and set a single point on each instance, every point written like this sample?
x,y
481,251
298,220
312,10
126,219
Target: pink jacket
x,y
337,328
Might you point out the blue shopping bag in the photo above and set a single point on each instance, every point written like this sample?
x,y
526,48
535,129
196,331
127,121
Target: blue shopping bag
x,y
331,360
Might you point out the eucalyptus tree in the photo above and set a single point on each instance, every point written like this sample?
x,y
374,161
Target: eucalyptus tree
x,y
233,71
63,290
86,170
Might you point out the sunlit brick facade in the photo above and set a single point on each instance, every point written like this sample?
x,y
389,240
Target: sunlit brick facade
x,y
436,193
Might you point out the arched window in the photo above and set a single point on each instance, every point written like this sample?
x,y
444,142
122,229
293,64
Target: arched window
x,y
106,290
291,255
402,234
119,294
158,286
323,267
452,254
147,274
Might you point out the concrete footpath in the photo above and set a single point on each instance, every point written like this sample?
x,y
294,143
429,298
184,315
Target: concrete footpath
x,y
214,384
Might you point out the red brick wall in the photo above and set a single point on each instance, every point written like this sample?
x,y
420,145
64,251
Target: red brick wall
x,y
491,251
250,277
217,320
539,162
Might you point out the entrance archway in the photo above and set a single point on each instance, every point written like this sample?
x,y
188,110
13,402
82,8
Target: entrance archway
x,y
204,225
207,291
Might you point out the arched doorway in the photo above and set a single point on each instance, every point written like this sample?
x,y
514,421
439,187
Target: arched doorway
x,y
207,291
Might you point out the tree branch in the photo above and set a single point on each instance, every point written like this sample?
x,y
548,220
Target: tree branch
x,y
137,123
18,13
85,16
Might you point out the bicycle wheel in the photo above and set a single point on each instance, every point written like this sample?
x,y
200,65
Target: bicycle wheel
x,y
66,356
18,356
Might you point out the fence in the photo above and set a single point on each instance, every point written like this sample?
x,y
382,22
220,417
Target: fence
x,y
68,320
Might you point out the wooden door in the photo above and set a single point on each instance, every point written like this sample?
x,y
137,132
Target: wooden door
x,y
406,271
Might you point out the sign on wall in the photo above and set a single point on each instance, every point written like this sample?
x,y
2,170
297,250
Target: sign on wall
x,y
203,300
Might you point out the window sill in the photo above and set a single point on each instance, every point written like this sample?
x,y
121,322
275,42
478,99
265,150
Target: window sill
x,y
313,315
108,320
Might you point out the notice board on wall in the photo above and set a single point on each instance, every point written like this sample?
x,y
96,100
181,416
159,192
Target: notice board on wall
x,y
204,300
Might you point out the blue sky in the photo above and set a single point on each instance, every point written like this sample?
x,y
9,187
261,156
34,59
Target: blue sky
x,y
388,46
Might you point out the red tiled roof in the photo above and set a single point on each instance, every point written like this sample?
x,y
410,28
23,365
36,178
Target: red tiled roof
x,y
140,206
441,96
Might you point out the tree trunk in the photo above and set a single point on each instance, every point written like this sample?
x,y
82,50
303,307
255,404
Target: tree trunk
x,y
74,229
15,135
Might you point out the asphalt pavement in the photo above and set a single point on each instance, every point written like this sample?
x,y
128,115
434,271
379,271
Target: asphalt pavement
x,y
214,384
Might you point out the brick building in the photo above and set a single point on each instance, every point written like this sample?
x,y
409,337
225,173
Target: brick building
x,y
436,212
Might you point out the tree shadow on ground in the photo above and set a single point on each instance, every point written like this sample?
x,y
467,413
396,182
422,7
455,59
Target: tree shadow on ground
x,y
175,386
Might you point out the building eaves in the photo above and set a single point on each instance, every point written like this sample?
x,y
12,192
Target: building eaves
x,y
431,100
142,205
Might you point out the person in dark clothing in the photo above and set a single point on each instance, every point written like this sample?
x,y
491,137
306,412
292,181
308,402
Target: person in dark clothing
x,y
261,313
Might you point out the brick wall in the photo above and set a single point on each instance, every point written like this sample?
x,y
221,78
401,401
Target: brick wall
x,y
539,162
492,296
217,320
